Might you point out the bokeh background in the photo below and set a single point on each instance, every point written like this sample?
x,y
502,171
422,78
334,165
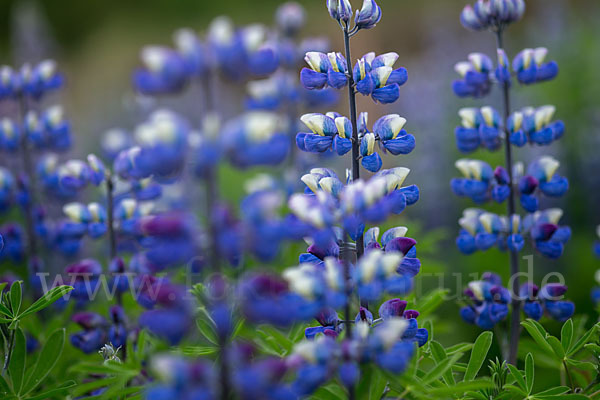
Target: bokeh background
x,y
97,43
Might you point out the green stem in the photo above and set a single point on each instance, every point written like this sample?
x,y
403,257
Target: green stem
x,y
515,325
569,377
9,350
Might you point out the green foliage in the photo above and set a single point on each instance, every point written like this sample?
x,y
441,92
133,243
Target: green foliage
x,y
21,382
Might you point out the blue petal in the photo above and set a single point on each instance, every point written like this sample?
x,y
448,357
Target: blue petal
x,y
366,86
485,241
341,145
311,79
500,193
556,187
547,71
400,145
387,94
518,138
466,243
549,249
317,143
398,76
411,193
372,163
560,310
533,310
529,202
336,79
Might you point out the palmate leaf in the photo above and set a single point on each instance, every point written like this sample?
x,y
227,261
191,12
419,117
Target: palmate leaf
x,y
478,354
538,333
46,361
47,299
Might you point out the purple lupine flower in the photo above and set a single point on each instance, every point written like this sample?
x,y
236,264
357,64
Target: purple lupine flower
x,y
489,302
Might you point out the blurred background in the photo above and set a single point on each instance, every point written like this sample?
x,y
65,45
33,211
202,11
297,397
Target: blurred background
x,y
97,44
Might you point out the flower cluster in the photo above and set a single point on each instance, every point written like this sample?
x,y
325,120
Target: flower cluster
x,y
480,183
492,14
483,230
333,131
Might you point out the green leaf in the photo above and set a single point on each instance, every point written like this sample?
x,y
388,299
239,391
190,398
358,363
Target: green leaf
x,y
518,376
439,354
50,297
60,390
440,369
583,340
207,330
459,348
516,390
4,387
46,361
554,391
529,372
478,354
459,388
566,335
431,301
538,337
16,366
198,351
141,344
556,347
15,297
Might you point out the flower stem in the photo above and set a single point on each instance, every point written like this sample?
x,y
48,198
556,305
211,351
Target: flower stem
x,y
29,187
9,350
568,375
355,140
515,326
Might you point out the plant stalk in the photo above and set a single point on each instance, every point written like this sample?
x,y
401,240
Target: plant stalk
x,y
360,247
30,187
9,350
515,325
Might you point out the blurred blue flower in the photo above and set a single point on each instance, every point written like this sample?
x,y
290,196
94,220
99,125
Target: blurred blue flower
x,y
549,300
530,66
535,126
475,76
479,128
492,14
489,302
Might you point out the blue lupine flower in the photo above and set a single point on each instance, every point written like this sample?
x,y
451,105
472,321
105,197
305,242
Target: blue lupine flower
x,y
33,129
325,69
481,184
7,188
530,67
73,176
162,146
548,237
14,242
548,300
479,128
83,276
261,379
256,138
193,52
395,240
163,71
489,302
597,243
243,52
321,285
376,274
534,126
331,325
44,77
333,131
58,129
168,238
368,16
94,335
9,82
178,378
266,298
171,315
475,76
483,230
375,76
492,14
115,141
97,169
93,217
502,72
97,331
315,362
10,134
290,18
